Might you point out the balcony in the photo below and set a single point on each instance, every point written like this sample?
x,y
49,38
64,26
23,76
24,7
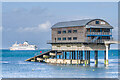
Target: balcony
x,y
67,41
99,33
99,40
86,41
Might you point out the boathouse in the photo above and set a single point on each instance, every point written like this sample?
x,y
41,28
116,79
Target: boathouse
x,y
73,39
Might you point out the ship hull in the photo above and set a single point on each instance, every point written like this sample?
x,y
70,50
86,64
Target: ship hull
x,y
23,49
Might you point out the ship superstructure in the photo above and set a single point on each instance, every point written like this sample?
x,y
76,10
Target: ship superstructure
x,y
24,46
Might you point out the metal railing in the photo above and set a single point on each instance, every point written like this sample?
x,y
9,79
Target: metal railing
x,y
66,41
98,33
99,40
85,41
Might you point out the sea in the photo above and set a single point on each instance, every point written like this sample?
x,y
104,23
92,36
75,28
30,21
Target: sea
x,y
15,66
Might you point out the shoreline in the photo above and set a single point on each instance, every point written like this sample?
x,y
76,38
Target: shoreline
x,y
48,49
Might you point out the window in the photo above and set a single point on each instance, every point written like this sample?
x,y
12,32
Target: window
x,y
97,22
88,30
64,31
102,22
74,31
106,30
69,38
64,38
69,31
55,39
74,38
59,32
59,38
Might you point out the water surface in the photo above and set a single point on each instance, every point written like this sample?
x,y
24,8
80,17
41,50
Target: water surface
x,y
15,66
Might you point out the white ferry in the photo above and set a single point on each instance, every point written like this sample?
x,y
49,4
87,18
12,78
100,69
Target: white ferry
x,y
24,46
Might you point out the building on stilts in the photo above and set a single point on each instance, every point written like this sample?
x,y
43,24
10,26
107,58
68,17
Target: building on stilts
x,y
73,41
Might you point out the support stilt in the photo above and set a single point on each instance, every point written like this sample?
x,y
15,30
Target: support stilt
x,y
89,58
106,61
96,58
72,54
69,55
59,56
65,55
77,54
105,57
56,54
81,57
85,58
62,55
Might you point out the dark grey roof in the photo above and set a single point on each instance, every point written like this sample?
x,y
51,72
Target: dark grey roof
x,y
99,26
71,23
75,23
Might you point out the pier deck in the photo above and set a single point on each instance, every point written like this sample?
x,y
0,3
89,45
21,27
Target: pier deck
x,y
70,57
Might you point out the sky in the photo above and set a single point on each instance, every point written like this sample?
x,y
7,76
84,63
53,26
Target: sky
x,y
32,21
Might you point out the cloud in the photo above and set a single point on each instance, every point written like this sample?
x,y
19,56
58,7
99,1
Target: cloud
x,y
40,28
18,10
38,10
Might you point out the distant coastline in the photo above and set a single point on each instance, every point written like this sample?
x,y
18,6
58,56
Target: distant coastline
x,y
38,49
47,48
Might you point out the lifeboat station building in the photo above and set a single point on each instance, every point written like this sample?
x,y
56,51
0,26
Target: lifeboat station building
x,y
73,39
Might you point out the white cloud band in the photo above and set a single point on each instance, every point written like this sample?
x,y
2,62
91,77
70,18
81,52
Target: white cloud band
x,y
41,27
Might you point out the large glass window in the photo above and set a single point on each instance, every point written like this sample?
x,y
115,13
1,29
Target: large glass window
x,y
97,22
69,31
74,38
64,31
69,38
74,31
59,32
64,38
59,38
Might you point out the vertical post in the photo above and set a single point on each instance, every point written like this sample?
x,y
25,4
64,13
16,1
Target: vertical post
x,y
105,57
59,56
63,55
77,54
77,58
107,46
70,55
90,33
85,58
89,58
56,54
96,58
74,55
81,57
